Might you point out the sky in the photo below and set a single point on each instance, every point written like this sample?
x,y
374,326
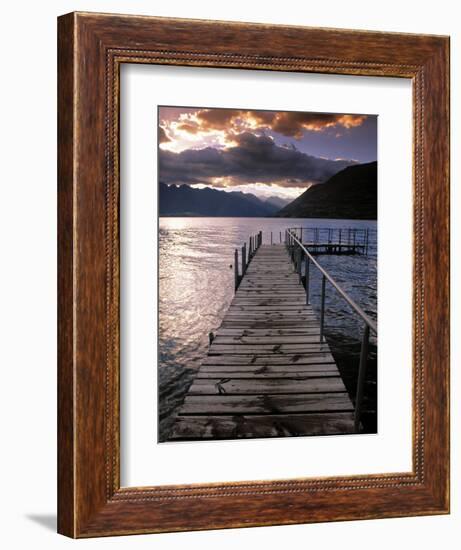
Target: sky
x,y
267,153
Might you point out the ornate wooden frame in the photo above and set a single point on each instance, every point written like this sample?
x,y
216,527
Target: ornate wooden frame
x,y
91,49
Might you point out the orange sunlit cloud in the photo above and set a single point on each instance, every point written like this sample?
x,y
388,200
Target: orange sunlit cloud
x,y
216,127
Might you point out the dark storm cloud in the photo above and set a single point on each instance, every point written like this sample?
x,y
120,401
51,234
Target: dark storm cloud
x,y
254,159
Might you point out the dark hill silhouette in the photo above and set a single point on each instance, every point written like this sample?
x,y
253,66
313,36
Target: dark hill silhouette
x,y
184,200
349,194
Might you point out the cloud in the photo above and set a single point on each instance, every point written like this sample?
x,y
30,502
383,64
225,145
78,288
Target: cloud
x,y
253,159
235,121
294,124
162,137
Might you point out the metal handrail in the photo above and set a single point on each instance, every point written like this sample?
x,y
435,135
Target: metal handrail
x,y
290,241
342,293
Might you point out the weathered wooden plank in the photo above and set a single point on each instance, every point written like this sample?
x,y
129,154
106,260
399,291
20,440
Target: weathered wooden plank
x,y
277,322
269,404
271,316
293,296
263,324
261,386
294,339
292,331
293,308
266,348
271,278
263,373
281,303
268,326
264,291
265,276
308,358
228,427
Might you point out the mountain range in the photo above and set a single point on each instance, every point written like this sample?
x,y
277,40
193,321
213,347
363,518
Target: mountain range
x,y
184,200
351,193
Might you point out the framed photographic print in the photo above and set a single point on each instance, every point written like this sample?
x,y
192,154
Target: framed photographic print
x,y
253,275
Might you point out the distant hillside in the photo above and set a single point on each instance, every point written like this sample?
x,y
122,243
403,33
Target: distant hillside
x,y
349,194
187,201
277,201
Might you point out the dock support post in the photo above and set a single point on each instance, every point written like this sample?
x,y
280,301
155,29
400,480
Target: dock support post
x,y
361,378
236,269
322,308
244,259
271,238
306,278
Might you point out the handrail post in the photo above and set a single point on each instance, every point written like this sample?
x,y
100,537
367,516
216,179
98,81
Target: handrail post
x,y
271,238
300,260
322,308
306,278
236,269
361,378
244,259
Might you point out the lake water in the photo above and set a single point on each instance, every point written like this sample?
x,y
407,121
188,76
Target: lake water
x,y
196,286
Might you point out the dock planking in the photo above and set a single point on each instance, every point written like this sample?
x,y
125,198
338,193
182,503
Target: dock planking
x,y
266,373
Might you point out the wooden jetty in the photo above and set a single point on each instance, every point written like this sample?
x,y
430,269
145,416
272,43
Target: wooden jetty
x,y
269,371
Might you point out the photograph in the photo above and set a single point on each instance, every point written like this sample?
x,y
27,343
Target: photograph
x,y
267,273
